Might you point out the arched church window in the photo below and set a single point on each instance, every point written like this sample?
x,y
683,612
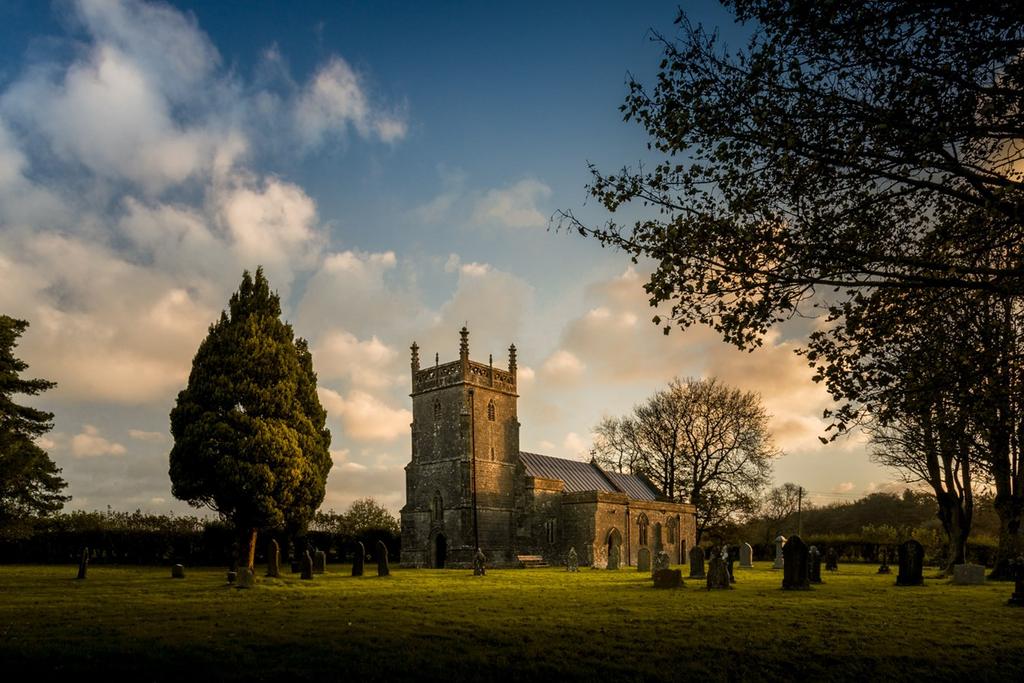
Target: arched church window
x,y
437,508
672,531
549,528
490,411
642,525
657,536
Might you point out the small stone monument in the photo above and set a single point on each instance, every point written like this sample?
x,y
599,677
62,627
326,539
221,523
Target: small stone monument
x,y
382,559
729,558
357,561
884,567
661,561
273,559
696,562
307,567
83,564
178,571
319,562
911,555
796,565
1017,569
479,562
815,569
246,578
668,578
746,556
232,576
968,574
718,573
780,541
572,561
831,559
643,560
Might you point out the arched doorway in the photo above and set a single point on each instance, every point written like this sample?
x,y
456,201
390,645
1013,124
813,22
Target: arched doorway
x,y
440,551
614,544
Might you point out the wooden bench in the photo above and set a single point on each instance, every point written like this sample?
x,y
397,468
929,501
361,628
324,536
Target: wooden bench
x,y
530,561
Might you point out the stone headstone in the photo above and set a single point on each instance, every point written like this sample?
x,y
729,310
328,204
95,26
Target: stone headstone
x,y
307,567
780,560
319,562
479,563
572,561
968,574
382,559
273,559
746,556
296,566
668,578
1017,570
718,573
661,561
246,578
357,561
613,556
796,565
884,567
911,555
232,576
83,564
831,560
814,556
729,558
696,562
178,571
643,560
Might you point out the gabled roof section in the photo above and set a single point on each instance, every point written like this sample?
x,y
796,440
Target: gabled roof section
x,y
585,476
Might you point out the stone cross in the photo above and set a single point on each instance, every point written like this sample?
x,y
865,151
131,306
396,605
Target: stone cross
x,y
911,554
382,559
479,563
643,560
83,564
572,562
357,561
746,556
780,541
273,559
307,567
696,562
796,565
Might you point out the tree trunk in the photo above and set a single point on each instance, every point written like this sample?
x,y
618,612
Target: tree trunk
x,y
250,550
1009,509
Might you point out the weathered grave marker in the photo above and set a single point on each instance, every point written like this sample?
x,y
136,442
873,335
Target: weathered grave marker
x,y
796,565
911,555
319,562
273,559
815,569
718,573
968,574
357,561
479,563
178,571
382,559
832,559
83,564
668,578
696,562
729,557
746,556
572,561
307,567
1017,569
780,541
661,561
643,560
246,578
232,576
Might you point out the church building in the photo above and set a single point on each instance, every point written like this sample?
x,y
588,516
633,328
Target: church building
x,y
469,486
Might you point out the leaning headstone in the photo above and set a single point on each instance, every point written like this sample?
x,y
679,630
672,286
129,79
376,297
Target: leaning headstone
x,y
746,556
911,564
357,561
780,541
178,571
661,561
273,559
718,573
572,561
696,562
668,578
815,568
796,565
643,560
831,560
83,564
479,563
968,574
232,576
246,578
1017,569
307,567
319,562
382,559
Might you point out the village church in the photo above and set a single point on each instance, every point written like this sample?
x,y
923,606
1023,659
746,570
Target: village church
x,y
469,486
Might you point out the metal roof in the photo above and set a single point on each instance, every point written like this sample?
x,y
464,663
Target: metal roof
x,y
584,476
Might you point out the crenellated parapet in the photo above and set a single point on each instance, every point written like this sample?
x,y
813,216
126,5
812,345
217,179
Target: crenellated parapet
x,y
462,371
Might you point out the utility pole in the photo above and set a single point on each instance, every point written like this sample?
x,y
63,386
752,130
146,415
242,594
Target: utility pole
x,y
799,506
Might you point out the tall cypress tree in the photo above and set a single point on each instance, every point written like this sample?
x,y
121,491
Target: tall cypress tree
x,y
29,481
249,432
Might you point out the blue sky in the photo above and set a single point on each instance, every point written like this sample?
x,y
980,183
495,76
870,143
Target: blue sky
x,y
393,166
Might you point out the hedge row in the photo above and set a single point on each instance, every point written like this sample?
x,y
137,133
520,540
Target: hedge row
x,y
856,550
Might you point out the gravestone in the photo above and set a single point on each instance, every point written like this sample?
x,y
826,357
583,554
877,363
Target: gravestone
x,y
661,561
815,569
643,560
696,562
296,566
83,564
572,561
382,559
319,562
273,559
780,541
1017,569
357,561
246,578
307,567
479,563
668,578
831,560
796,565
968,574
729,558
884,567
232,576
718,573
178,571
746,556
911,564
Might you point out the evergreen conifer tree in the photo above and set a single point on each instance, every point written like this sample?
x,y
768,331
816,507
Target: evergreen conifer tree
x,y
249,432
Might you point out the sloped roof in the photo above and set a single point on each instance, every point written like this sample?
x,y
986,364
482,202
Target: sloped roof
x,y
585,476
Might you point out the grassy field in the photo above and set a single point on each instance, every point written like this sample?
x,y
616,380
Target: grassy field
x,y
540,624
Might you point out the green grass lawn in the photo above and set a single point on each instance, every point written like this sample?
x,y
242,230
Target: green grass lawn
x,y
539,624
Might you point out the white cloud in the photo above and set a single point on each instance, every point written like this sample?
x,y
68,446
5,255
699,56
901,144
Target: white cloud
x,y
89,444
575,445
515,206
843,487
153,437
365,417
562,366
367,363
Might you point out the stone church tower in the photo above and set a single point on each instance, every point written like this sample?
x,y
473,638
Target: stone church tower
x,y
460,482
